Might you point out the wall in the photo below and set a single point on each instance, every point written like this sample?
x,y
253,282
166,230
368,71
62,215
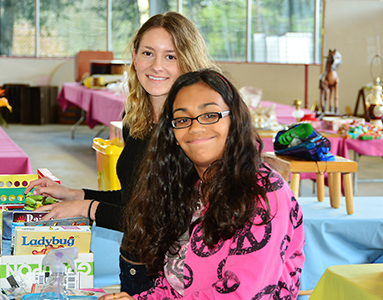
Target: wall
x,y
36,71
353,27
279,83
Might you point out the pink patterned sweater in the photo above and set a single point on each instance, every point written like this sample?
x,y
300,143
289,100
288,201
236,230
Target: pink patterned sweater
x,y
259,262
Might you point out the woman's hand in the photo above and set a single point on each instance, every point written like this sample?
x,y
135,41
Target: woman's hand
x,y
119,296
68,209
47,187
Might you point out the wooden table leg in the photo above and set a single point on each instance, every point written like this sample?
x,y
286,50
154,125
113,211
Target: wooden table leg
x,y
336,189
320,187
347,179
295,178
330,188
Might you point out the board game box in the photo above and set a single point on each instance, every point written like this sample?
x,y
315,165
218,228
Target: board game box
x,y
38,240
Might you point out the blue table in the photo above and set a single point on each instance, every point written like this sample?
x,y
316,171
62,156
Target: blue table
x,y
105,245
335,238
332,238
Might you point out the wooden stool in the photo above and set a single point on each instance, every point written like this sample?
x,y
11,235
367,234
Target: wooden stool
x,y
333,170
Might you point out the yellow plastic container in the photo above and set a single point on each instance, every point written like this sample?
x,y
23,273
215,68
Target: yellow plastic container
x,y
115,134
107,156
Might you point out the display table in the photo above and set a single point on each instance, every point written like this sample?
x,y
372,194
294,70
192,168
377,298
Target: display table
x,y
101,106
350,282
332,238
333,169
335,238
13,160
284,111
337,147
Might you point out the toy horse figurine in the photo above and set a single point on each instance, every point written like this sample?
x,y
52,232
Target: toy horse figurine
x,y
329,80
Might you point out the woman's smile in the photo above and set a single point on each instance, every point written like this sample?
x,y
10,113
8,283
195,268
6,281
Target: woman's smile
x,y
155,78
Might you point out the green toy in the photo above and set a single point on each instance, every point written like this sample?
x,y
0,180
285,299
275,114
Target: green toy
x,y
301,131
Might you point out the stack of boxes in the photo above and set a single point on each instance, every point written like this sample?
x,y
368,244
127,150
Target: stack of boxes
x,y
24,240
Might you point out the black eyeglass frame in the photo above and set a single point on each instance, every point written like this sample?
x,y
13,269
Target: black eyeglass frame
x,y
221,115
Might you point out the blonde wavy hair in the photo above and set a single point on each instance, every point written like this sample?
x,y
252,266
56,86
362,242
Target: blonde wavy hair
x,y
192,55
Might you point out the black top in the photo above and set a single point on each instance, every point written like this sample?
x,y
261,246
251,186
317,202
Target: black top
x,y
110,210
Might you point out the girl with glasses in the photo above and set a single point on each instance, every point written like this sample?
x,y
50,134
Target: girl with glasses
x,y
208,214
165,47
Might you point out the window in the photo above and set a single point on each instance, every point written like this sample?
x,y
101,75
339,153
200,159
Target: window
x,y
284,31
222,23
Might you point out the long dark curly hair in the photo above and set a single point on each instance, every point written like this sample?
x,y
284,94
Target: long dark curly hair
x,y
164,198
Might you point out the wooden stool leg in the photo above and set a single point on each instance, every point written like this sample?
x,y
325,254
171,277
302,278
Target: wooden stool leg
x,y
295,178
330,188
336,189
347,179
320,187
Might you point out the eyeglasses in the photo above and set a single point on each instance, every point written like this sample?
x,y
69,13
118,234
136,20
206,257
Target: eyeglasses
x,y
204,119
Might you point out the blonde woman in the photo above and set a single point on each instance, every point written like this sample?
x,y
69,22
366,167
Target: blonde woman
x,y
165,47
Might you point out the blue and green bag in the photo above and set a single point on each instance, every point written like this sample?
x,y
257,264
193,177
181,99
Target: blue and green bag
x,y
303,141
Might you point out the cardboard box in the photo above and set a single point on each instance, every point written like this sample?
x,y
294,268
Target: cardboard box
x,y
83,58
19,219
333,123
7,216
12,196
44,172
17,180
30,268
38,240
1,231
12,188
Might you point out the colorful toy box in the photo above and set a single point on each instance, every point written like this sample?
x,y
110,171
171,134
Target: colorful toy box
x,y
38,240
12,188
107,155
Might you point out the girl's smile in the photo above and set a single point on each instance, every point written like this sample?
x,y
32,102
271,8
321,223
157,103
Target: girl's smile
x,y
202,143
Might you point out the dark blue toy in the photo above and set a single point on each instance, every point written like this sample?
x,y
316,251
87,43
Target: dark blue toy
x,y
311,145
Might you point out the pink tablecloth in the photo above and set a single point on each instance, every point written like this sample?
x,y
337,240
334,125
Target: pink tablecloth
x,y
368,148
101,106
106,107
284,111
13,160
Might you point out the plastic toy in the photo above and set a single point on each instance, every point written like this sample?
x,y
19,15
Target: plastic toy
x,y
303,141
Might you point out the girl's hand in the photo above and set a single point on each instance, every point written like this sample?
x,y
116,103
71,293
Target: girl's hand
x,y
47,187
67,209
